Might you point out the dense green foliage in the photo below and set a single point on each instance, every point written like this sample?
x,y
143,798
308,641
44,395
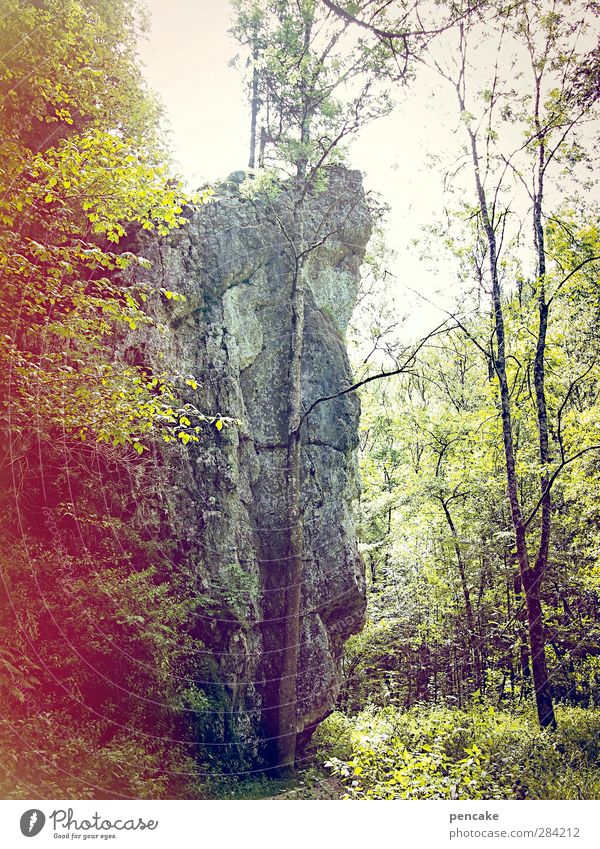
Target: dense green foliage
x,y
439,685
478,753
313,84
106,686
436,532
81,161
448,602
95,652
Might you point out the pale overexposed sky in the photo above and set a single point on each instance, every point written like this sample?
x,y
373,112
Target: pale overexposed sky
x,y
186,61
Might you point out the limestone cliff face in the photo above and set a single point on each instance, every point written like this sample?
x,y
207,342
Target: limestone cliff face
x,y
225,501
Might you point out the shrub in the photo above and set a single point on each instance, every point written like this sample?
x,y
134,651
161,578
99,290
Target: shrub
x,y
481,753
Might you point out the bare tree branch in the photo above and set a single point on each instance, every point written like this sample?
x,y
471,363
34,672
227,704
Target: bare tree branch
x,y
553,478
397,35
441,328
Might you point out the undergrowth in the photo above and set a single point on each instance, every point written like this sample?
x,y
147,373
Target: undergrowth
x,y
480,753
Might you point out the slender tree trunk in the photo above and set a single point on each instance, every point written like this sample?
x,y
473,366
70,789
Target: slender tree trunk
x,y
288,685
287,709
254,105
482,645
262,147
529,574
472,639
386,559
373,570
458,680
538,658
525,670
307,106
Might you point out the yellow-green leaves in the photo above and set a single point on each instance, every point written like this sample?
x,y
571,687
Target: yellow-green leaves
x,y
81,162
172,296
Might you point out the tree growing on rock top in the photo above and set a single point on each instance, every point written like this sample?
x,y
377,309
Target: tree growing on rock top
x,y
314,84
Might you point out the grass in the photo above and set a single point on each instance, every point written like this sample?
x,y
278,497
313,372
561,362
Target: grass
x,y
481,753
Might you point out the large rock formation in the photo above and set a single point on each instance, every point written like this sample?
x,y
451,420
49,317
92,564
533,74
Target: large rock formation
x,y
225,502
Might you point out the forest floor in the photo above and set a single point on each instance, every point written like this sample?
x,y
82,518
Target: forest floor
x,y
440,753
310,782
313,785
